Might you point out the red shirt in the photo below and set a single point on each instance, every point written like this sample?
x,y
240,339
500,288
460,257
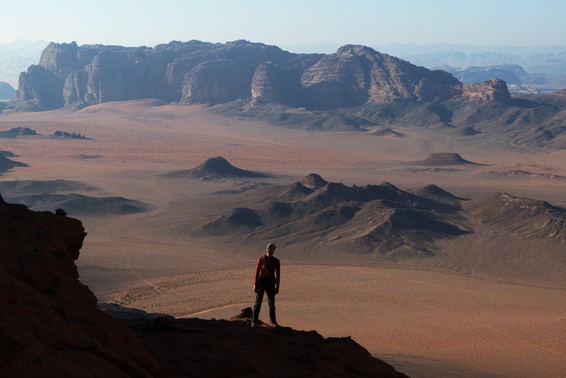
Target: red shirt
x,y
274,267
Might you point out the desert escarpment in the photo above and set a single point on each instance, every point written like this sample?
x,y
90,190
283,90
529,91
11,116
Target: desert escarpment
x,y
198,72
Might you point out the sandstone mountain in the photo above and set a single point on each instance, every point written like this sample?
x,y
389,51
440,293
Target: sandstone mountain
x,y
356,88
51,326
198,72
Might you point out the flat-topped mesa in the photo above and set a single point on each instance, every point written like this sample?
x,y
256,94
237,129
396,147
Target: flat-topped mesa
x,y
197,72
492,90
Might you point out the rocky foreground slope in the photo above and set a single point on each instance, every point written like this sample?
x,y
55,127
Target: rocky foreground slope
x,y
50,326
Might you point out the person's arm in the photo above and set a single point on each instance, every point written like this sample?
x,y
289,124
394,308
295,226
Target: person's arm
x,y
278,274
257,269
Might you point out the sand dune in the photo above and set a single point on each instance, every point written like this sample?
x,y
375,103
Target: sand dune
x,y
482,306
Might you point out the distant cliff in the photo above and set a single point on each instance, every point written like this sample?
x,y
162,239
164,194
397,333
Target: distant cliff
x,y
192,72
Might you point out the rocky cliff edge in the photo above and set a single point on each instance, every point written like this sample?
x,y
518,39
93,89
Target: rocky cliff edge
x,y
50,325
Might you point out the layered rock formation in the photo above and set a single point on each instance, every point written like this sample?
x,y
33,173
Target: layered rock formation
x,y
199,72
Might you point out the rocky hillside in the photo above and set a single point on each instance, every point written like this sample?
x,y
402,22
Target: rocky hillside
x,y
332,221
51,326
378,221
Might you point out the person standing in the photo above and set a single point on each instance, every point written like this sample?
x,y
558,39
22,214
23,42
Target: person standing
x,y
266,280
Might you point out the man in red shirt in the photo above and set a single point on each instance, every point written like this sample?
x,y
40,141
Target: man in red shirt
x,y
266,280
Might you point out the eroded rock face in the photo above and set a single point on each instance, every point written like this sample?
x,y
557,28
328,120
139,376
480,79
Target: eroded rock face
x,y
48,320
492,90
200,72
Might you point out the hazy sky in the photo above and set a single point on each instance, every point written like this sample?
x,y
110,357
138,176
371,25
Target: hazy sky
x,y
291,22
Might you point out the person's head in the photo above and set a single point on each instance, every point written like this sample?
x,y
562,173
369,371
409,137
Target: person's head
x,y
270,249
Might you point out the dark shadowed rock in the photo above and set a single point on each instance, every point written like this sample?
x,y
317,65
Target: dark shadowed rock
x,y
78,204
215,168
434,193
231,348
239,220
17,131
443,158
20,187
8,164
50,324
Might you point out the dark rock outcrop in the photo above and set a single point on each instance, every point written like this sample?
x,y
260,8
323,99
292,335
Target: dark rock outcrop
x,y
215,168
443,158
8,164
199,72
49,321
255,352
16,132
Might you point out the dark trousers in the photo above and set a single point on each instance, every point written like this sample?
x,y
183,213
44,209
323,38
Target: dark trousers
x,y
270,291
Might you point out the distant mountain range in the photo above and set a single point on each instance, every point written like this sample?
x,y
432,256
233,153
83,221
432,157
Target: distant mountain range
x,y
16,57
545,61
544,66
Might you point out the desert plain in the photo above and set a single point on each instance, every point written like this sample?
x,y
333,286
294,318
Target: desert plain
x,y
489,304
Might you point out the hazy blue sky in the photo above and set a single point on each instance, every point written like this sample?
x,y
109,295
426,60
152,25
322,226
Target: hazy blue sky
x,y
291,22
